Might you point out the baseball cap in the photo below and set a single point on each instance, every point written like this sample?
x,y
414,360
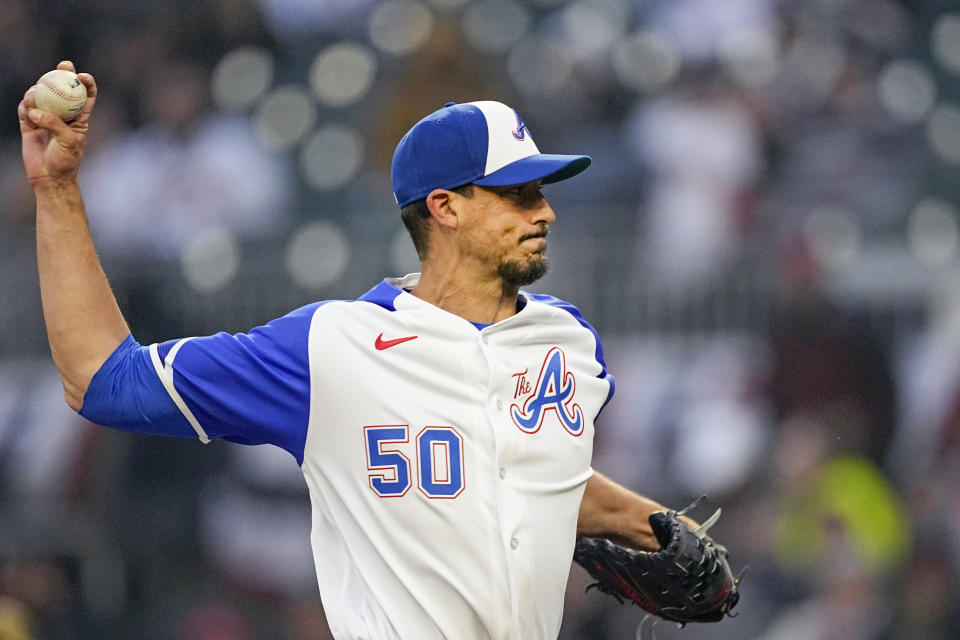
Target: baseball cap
x,y
484,143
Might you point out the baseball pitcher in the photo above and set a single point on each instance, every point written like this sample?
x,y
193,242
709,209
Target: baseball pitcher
x,y
443,420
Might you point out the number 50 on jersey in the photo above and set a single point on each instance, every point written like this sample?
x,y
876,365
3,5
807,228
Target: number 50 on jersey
x,y
438,452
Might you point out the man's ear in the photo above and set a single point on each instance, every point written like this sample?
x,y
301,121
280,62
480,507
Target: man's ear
x,y
443,207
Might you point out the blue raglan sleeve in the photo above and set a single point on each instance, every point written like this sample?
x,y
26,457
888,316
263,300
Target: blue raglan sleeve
x,y
126,394
598,354
252,388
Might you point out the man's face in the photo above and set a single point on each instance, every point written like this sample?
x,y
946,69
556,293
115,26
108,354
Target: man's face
x,y
505,228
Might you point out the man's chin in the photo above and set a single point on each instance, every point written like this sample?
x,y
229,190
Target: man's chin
x,y
519,274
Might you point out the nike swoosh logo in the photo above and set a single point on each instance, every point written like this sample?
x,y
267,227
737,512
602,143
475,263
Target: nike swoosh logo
x,y
382,344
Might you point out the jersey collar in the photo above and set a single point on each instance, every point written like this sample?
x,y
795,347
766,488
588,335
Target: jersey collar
x,y
386,293
388,290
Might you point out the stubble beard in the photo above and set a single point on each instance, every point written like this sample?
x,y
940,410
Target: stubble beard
x,y
515,273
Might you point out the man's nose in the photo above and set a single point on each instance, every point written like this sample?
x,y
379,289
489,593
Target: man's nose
x,y
543,213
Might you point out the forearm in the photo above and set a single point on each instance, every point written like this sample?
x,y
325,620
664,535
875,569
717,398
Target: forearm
x,y
84,323
612,511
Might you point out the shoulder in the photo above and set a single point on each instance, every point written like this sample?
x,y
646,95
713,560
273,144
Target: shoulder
x,y
569,310
379,298
568,314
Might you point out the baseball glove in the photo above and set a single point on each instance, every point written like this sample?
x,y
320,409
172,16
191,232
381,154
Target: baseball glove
x,y
687,580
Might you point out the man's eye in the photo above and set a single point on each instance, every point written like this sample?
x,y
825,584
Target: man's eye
x,y
534,193
522,193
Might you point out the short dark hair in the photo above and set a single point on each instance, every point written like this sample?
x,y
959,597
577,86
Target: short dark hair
x,y
416,214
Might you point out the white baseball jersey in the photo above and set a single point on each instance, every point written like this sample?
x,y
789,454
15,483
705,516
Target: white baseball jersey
x,y
445,462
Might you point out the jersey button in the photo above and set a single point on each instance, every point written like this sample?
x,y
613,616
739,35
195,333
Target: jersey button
x,y
499,404
484,337
514,543
503,474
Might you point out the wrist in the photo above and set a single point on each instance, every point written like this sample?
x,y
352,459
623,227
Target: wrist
x,y
53,191
57,197
52,186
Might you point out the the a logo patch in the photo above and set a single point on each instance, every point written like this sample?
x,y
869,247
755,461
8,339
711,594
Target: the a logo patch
x,y
521,131
553,392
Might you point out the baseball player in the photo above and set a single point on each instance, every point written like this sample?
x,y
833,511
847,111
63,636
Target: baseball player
x,y
443,420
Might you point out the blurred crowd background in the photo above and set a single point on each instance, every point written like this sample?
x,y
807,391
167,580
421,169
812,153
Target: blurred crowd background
x,y
767,241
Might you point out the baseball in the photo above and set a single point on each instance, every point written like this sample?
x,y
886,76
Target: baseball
x,y
61,93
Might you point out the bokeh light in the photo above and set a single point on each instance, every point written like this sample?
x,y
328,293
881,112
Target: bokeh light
x,y
751,55
399,27
932,232
241,77
943,132
317,254
906,90
945,42
284,116
342,74
645,61
331,156
494,25
592,26
210,259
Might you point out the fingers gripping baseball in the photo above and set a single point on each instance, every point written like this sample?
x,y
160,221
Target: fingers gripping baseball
x,y
52,149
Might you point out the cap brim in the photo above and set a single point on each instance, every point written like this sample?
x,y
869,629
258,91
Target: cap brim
x,y
544,166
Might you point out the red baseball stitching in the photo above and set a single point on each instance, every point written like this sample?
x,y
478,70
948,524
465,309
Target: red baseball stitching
x,y
52,87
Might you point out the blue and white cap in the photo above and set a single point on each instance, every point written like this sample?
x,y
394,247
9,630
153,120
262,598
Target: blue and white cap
x,y
484,143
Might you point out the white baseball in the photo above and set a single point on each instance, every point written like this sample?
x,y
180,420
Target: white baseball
x,y
61,93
